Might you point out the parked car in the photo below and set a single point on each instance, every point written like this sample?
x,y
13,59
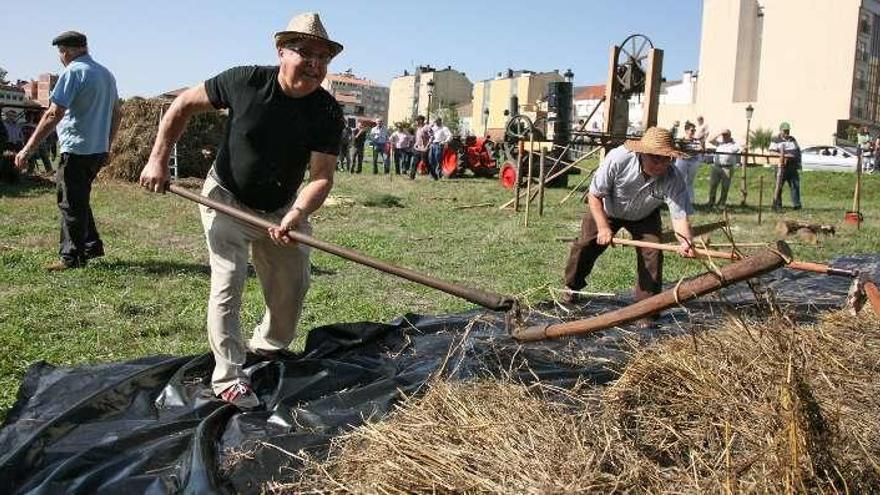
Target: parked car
x,y
829,158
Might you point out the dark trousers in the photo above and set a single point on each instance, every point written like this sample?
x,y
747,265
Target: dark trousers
x,y
788,173
401,160
585,250
79,236
379,149
357,160
418,156
435,160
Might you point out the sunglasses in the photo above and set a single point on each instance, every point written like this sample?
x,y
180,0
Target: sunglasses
x,y
306,54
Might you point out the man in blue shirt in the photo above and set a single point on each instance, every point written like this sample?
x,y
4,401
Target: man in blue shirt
x,y
85,108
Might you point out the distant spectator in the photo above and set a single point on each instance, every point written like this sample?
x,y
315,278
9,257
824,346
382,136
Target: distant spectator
x,y
359,141
42,152
14,139
343,162
441,138
702,130
866,147
787,146
421,146
378,140
674,129
726,159
399,142
689,164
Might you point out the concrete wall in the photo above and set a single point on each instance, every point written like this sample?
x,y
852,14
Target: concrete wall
x,y
803,75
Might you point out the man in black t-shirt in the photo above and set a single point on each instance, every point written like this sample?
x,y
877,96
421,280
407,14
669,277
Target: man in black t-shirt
x,y
281,123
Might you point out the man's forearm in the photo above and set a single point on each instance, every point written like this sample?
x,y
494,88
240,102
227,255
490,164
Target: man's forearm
x,y
47,124
313,195
170,129
597,208
682,227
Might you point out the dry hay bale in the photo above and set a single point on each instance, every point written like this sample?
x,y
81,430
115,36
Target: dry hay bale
x,y
137,133
769,408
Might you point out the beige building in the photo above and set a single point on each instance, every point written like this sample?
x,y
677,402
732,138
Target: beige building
x,y
812,63
495,95
358,96
412,93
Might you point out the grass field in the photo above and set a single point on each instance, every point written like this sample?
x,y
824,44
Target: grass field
x,y
147,295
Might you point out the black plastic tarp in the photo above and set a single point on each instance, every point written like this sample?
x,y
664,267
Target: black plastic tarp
x,y
151,426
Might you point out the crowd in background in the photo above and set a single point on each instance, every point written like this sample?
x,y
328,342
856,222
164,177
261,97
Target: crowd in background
x,y
17,128
409,148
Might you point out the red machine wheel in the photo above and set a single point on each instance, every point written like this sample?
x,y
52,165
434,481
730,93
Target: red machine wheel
x,y
508,175
449,163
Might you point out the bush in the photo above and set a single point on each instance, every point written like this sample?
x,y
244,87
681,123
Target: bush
x,y
137,133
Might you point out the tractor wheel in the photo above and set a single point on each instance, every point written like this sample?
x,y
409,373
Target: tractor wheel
x,y
449,163
508,175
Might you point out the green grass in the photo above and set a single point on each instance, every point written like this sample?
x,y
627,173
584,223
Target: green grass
x,y
148,295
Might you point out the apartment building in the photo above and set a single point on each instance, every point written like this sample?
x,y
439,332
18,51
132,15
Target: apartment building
x,y
359,97
812,63
411,94
40,89
492,97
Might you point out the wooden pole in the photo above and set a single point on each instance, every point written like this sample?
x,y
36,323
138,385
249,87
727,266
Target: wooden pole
x,y
555,174
753,266
729,255
744,185
519,160
857,194
760,196
529,178
542,175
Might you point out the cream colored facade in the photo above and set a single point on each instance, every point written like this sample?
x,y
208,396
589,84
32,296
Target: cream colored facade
x,y
811,63
495,94
409,95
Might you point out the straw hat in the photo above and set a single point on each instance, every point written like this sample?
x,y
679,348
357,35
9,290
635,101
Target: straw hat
x,y
655,141
307,25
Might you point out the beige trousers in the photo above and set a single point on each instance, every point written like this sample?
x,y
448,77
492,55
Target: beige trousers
x,y
723,176
283,272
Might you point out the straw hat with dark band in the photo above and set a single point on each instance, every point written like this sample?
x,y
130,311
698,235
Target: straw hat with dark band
x,y
655,141
306,26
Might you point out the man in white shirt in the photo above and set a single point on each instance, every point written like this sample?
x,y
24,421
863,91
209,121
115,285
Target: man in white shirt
x,y
379,138
787,146
724,165
442,136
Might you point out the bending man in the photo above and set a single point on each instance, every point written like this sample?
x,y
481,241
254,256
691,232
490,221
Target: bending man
x,y
626,192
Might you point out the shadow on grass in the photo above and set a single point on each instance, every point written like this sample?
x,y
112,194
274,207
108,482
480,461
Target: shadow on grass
x,y
27,186
766,209
156,267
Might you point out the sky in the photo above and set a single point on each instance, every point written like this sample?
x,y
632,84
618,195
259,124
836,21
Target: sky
x,y
153,46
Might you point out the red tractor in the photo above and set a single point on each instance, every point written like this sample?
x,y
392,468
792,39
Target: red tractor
x,y
475,154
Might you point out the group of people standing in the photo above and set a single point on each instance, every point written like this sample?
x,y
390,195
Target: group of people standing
x,y
407,147
726,156
14,134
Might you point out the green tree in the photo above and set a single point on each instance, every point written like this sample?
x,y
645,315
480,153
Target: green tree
x,y
3,73
760,139
450,117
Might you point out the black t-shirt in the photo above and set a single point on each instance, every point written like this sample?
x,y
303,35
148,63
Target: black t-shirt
x,y
270,136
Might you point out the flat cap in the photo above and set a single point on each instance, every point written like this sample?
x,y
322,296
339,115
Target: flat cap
x,y
69,38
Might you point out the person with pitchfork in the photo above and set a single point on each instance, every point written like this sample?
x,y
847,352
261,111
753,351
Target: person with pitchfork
x,y
627,190
282,124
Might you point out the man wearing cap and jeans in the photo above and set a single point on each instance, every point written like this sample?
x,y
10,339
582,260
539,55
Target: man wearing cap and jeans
x,y
790,153
726,160
626,192
281,124
85,108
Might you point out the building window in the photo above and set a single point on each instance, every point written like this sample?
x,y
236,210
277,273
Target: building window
x,y
865,24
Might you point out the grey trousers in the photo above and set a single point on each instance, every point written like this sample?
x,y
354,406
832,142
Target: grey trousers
x,y
283,272
722,175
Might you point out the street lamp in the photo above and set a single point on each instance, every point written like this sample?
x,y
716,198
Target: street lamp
x,y
430,85
568,76
486,121
750,110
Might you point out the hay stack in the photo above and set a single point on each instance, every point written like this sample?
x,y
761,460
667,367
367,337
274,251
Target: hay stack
x,y
772,408
137,132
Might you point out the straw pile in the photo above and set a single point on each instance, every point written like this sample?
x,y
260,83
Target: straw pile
x,y
137,132
769,408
